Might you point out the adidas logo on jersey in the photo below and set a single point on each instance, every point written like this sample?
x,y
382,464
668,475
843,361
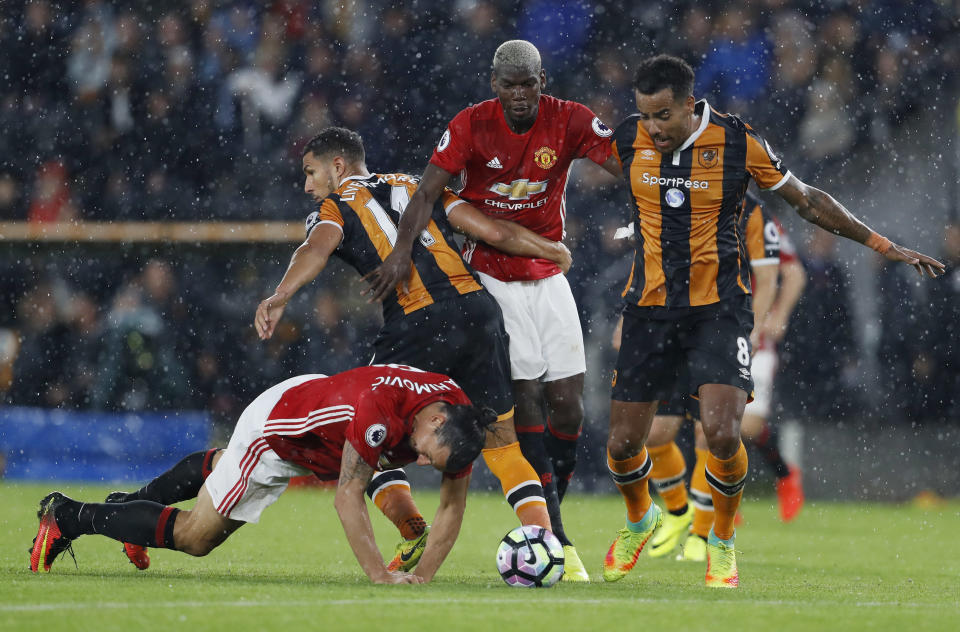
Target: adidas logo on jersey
x,y
495,163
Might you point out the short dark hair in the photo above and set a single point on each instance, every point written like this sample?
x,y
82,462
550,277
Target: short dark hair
x,y
465,433
664,71
339,141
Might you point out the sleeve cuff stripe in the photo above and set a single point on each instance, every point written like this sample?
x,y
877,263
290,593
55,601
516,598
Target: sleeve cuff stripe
x,y
782,182
453,205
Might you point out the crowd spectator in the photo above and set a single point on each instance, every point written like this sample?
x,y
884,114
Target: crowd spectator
x,y
198,87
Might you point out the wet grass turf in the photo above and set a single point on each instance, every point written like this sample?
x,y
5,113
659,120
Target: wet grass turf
x,y
838,567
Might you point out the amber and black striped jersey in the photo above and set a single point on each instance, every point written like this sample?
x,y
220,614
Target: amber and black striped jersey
x,y
367,210
760,233
687,204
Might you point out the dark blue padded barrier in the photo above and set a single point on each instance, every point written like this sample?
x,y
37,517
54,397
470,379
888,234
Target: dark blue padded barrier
x,y
42,444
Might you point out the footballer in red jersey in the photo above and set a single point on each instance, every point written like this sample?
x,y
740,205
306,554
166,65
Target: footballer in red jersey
x,y
520,177
513,154
343,427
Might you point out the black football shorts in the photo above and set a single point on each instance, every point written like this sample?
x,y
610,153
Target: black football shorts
x,y
670,358
462,337
687,407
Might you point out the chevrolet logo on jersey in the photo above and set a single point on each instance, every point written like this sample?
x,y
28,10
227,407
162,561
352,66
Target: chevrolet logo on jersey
x,y
519,189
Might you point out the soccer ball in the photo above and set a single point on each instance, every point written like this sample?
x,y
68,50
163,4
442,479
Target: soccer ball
x,y
530,556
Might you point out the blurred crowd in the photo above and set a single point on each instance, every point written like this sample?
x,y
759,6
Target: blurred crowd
x,y
157,332
154,331
196,109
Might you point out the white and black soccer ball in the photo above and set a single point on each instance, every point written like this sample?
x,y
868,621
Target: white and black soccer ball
x,y
529,557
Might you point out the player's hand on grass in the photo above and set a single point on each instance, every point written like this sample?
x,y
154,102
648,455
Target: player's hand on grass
x,y
921,262
397,577
395,270
566,259
268,314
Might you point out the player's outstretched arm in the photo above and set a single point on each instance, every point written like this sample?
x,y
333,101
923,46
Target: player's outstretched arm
x,y
446,526
821,209
307,262
355,474
395,269
510,237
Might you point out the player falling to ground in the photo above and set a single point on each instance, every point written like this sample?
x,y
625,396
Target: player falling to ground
x,y
446,322
771,255
344,426
514,153
688,316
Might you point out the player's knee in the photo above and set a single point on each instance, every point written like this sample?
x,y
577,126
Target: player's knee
x,y
568,418
724,442
622,448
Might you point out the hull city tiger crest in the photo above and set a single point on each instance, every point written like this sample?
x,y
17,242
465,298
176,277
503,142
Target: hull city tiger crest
x,y
545,157
708,158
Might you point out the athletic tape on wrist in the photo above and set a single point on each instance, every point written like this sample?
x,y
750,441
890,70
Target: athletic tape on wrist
x,y
878,242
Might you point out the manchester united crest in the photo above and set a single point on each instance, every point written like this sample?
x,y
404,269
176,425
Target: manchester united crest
x,y
545,157
708,158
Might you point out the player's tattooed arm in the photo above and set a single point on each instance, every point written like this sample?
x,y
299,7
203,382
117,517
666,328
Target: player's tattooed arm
x,y
821,209
353,467
351,507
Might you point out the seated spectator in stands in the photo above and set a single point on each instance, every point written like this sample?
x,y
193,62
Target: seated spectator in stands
x,y
141,366
51,200
44,348
266,92
79,367
828,129
11,197
795,60
734,71
88,66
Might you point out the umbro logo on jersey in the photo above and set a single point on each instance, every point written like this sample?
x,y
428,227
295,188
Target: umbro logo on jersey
x,y
495,163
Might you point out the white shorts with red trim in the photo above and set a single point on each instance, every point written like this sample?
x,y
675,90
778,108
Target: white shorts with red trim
x,y
249,477
763,367
541,318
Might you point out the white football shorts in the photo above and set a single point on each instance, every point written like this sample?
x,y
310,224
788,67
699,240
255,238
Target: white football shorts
x,y
249,477
541,318
763,366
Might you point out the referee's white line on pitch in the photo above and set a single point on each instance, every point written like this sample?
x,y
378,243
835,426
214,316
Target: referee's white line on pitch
x,y
42,607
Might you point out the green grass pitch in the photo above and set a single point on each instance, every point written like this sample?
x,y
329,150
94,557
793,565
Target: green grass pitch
x,y
837,567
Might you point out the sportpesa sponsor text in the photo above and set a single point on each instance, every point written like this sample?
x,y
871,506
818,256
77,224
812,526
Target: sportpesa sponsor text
x,y
652,180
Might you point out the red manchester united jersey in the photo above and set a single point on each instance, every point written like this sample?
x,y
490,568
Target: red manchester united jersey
x,y
520,177
372,407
